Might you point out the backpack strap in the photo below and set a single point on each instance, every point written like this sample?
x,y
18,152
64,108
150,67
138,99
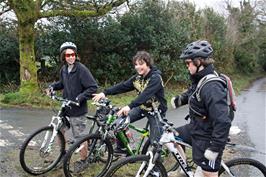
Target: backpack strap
x,y
205,80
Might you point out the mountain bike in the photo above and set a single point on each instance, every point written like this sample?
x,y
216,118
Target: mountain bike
x,y
100,145
150,164
45,148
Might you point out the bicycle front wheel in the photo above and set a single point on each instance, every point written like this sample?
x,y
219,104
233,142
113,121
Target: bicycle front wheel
x,y
96,153
39,154
168,158
244,167
130,166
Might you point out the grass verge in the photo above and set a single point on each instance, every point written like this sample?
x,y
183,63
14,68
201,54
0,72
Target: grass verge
x,y
38,100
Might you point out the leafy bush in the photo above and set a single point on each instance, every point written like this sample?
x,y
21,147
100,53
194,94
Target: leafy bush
x,y
9,60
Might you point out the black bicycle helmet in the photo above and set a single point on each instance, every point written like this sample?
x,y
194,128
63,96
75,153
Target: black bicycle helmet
x,y
68,45
196,49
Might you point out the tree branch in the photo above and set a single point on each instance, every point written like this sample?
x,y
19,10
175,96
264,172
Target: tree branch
x,y
4,11
82,9
4,7
73,13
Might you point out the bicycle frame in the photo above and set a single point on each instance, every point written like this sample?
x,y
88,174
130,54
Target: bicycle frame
x,y
105,128
144,133
121,135
56,123
169,140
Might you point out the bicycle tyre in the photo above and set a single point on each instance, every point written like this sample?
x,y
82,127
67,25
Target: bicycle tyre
x,y
168,158
31,144
246,164
100,157
117,170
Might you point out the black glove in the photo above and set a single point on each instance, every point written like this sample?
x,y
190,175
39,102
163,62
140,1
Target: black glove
x,y
176,102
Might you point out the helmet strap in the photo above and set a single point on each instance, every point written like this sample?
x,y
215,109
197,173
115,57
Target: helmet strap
x,y
198,67
196,63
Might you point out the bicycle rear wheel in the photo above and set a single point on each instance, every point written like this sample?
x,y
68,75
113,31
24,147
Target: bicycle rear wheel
x,y
37,156
99,157
130,166
244,167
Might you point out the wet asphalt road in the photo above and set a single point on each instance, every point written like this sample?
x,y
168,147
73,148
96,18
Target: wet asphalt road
x,y
251,116
17,124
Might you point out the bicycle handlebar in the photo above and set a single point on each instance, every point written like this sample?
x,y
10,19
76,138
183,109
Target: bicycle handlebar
x,y
66,101
102,102
107,104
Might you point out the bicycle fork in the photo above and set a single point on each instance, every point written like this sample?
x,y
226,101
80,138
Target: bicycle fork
x,y
143,165
54,133
168,139
227,169
179,158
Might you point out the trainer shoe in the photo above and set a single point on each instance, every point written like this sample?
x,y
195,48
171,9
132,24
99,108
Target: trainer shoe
x,y
80,165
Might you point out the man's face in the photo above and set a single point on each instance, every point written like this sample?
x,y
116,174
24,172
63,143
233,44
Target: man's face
x,y
141,67
190,66
70,56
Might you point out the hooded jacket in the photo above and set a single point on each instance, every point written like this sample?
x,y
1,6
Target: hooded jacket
x,y
209,117
150,90
78,85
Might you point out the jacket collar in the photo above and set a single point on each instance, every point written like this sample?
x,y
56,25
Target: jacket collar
x,y
152,70
207,70
74,69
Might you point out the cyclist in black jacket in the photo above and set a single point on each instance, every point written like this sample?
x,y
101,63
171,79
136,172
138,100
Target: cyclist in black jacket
x,y
209,124
149,85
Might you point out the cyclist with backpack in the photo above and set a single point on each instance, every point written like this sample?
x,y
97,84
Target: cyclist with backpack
x,y
209,112
149,86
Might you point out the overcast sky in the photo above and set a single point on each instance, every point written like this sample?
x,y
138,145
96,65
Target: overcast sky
x,y
214,3
218,5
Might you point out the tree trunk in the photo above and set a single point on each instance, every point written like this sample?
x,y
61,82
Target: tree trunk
x,y
28,69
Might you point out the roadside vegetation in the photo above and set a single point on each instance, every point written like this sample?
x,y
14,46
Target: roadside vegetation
x,y
14,99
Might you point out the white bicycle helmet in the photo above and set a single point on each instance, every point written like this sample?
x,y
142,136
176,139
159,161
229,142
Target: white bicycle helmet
x,y
68,45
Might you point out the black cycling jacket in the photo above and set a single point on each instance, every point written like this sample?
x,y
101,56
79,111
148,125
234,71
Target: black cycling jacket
x,y
150,89
78,85
209,117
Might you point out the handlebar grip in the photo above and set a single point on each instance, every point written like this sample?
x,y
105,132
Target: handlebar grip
x,y
77,104
102,102
73,102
